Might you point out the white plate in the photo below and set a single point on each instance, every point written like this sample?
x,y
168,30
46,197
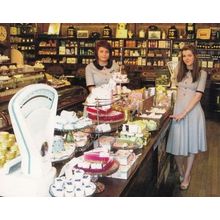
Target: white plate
x,y
63,155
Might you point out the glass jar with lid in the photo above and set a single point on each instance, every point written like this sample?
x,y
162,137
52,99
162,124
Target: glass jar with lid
x,y
71,31
172,32
107,32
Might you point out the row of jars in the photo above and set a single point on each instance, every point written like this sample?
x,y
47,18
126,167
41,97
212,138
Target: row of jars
x,y
144,62
15,39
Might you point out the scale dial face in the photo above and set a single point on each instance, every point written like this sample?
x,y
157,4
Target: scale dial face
x,y
3,33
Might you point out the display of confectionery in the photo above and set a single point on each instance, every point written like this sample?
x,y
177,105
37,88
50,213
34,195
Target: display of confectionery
x,y
62,140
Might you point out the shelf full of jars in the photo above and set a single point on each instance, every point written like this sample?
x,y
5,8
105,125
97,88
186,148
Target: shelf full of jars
x,y
141,52
206,41
55,49
151,48
22,38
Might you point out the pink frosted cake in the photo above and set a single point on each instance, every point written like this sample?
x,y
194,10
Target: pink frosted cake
x,y
95,162
94,110
113,116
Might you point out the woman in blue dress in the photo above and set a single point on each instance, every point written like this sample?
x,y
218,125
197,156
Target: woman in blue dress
x,y
187,134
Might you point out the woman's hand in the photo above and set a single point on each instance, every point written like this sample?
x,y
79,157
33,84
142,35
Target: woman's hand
x,y
179,116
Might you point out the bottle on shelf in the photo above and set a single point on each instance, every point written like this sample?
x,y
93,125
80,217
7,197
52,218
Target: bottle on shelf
x,y
13,30
163,35
190,30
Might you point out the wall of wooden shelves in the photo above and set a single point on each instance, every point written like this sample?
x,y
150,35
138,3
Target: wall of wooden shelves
x,y
84,47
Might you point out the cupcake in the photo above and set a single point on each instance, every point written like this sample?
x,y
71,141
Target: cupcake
x,y
78,174
78,192
68,193
86,179
59,182
89,189
69,185
77,182
58,192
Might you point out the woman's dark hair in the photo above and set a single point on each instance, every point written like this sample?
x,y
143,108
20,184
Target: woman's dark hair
x,y
106,45
183,68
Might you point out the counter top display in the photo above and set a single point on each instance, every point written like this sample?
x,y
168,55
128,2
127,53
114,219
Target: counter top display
x,y
138,170
144,173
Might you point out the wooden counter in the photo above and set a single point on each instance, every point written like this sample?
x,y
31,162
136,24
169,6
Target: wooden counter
x,y
151,169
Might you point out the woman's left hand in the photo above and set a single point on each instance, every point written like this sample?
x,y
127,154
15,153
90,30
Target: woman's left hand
x,y
179,116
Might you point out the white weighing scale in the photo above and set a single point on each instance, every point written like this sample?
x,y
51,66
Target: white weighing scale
x,y
32,111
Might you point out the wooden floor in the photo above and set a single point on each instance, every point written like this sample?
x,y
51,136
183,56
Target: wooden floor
x,y
205,179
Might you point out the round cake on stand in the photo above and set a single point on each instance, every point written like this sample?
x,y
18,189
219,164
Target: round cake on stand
x,y
97,163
